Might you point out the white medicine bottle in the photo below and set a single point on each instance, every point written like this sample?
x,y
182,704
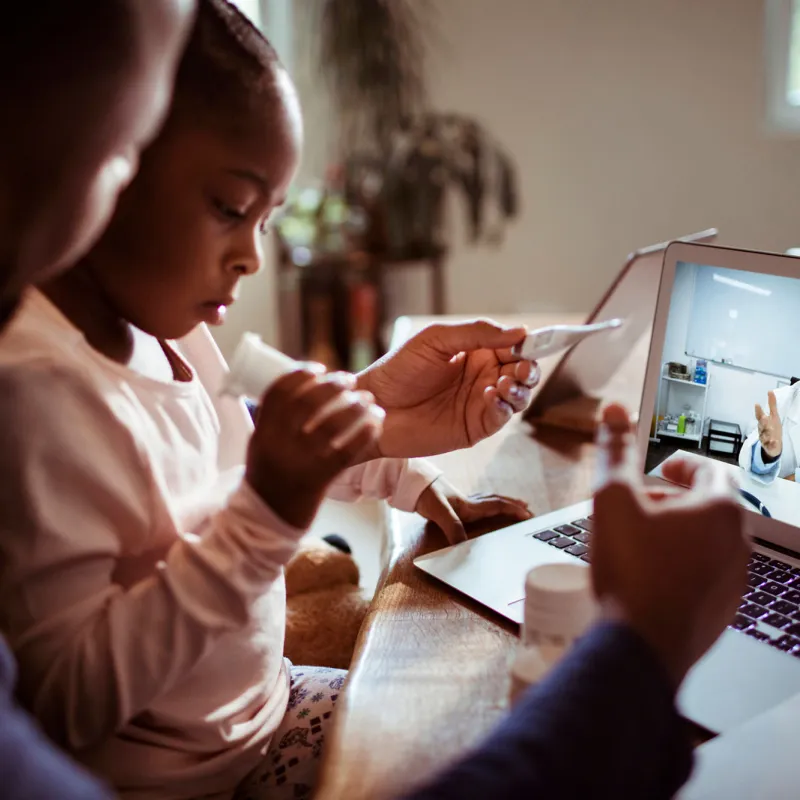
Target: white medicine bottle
x,y
255,366
559,608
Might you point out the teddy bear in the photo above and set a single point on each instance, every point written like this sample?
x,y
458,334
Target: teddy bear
x,y
325,606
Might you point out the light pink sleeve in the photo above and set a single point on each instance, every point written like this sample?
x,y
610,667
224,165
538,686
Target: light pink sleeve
x,y
74,494
401,481
397,480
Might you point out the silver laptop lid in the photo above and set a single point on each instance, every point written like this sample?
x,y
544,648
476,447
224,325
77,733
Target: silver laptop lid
x,y
589,368
725,335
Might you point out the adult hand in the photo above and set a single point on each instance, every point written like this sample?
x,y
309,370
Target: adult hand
x,y
770,429
449,386
448,508
671,564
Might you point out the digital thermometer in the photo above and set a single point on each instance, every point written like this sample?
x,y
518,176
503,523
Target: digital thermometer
x,y
546,341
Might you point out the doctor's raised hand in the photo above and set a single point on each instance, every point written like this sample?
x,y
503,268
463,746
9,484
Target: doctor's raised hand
x,y
770,430
449,386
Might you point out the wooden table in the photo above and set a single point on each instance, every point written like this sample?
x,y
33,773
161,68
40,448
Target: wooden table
x,y
429,678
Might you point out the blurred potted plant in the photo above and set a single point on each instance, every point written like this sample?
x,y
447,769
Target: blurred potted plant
x,y
402,158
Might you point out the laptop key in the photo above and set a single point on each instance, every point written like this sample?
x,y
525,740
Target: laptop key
x,y
780,576
567,530
560,542
759,597
760,557
757,634
786,643
586,524
775,589
794,583
752,610
740,622
584,537
545,536
754,581
782,607
761,569
577,550
792,596
776,620
793,630
586,557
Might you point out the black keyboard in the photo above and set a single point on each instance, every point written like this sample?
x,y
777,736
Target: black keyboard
x,y
572,538
770,608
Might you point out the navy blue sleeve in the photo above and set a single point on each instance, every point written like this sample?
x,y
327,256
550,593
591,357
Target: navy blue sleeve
x,y
603,724
31,768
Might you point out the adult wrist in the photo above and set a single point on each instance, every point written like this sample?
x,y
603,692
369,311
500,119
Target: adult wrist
x,y
665,648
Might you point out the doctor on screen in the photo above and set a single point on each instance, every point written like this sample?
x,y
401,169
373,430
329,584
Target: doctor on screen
x,y
773,448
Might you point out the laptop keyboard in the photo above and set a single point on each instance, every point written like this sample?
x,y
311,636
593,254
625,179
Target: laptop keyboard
x,y
770,608
572,538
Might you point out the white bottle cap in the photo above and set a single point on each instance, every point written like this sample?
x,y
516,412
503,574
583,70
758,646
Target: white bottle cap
x,y
559,603
255,366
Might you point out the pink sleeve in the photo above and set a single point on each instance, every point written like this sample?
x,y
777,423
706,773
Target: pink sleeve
x,y
401,481
76,493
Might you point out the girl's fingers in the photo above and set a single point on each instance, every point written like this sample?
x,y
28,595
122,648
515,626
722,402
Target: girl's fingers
x,y
434,506
331,404
476,508
359,441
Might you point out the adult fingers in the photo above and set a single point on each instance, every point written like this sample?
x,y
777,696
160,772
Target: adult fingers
x,y
451,339
517,395
773,404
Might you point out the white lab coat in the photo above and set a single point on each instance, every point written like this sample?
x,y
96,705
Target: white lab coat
x,y
788,401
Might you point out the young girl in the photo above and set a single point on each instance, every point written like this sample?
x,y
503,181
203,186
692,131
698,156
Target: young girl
x,y
146,524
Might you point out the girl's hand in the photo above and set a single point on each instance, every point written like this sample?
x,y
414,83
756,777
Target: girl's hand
x,y
309,428
448,508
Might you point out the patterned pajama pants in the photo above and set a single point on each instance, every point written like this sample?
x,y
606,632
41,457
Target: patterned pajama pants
x,y
290,768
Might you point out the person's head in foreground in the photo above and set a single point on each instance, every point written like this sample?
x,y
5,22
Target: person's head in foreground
x,y
84,87
189,226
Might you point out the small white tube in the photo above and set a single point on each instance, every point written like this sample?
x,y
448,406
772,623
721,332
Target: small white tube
x,y
255,366
546,341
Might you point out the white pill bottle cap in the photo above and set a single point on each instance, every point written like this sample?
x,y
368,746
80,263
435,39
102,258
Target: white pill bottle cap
x,y
255,366
559,603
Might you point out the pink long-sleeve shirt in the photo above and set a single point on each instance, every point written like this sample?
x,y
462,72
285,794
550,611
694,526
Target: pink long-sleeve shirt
x,y
141,580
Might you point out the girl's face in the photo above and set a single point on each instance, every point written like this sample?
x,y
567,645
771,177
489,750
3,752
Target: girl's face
x,y
189,227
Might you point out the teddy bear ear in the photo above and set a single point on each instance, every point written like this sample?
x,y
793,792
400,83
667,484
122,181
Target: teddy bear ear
x,y
339,542
317,565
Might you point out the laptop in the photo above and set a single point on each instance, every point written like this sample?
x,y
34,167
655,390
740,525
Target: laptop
x,y
570,395
708,307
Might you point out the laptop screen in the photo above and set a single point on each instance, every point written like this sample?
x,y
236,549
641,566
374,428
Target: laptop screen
x,y
726,389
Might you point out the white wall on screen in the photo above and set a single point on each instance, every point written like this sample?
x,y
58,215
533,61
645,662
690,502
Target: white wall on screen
x,y
732,392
